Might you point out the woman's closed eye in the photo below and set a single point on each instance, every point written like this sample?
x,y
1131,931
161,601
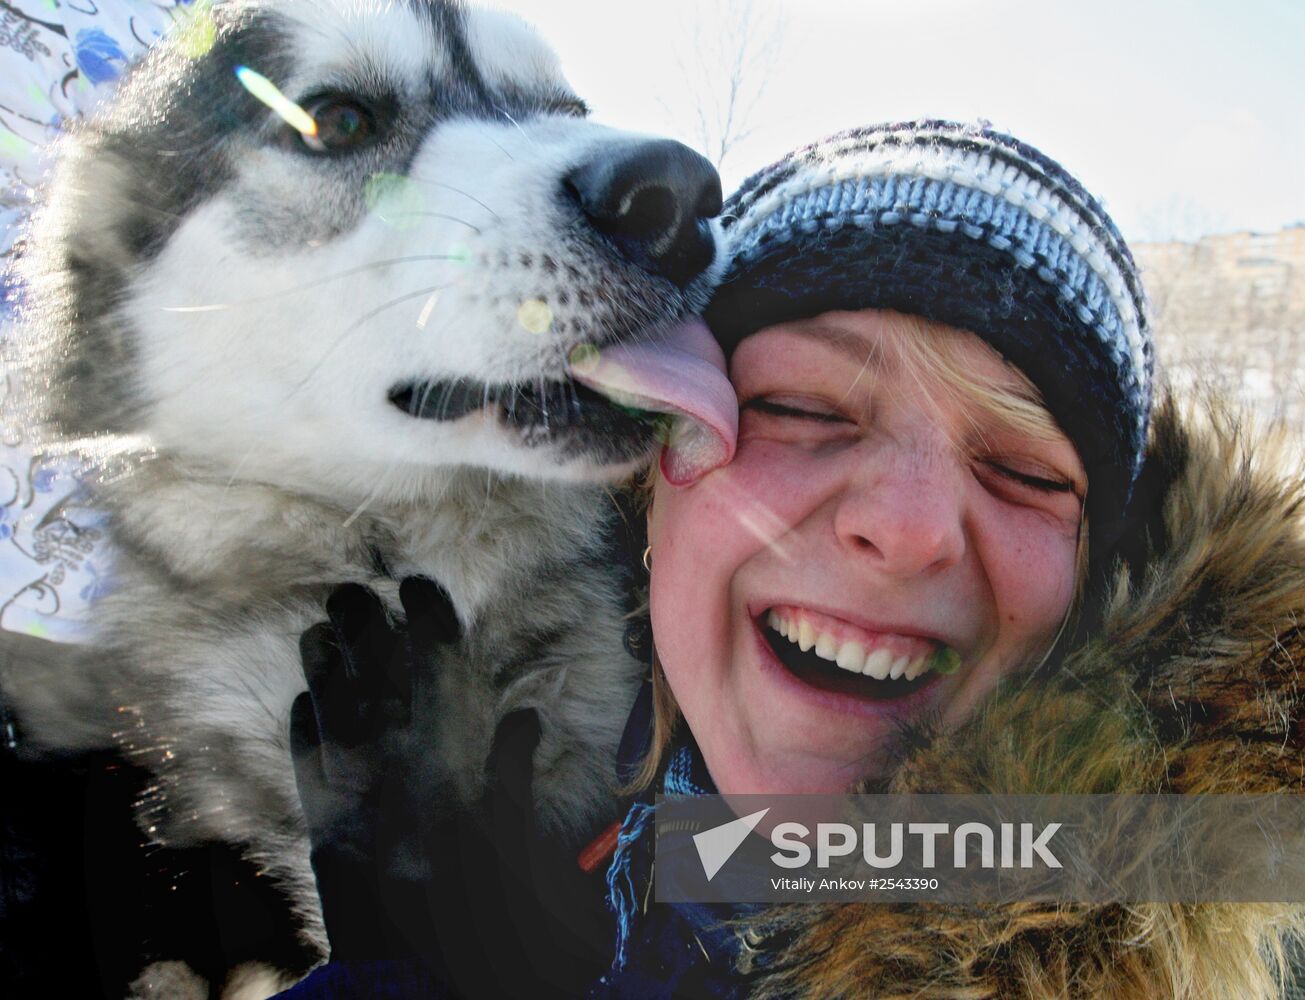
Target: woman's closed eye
x,y
1042,480
795,419
1032,485
793,409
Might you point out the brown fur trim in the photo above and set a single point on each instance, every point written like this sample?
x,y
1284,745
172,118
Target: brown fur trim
x,y
1192,686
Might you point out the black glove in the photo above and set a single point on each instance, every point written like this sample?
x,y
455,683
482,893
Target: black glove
x,y
403,870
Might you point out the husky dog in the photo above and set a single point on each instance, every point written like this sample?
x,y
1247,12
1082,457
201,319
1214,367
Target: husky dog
x,y
304,354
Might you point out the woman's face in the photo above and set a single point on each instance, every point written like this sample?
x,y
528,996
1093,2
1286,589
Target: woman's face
x,y
877,514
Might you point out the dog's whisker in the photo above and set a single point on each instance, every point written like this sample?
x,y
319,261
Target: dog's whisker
x,y
455,190
542,391
446,400
425,396
499,147
436,215
446,397
315,283
355,325
573,397
186,387
236,470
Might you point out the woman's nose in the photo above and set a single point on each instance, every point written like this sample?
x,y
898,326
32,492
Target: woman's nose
x,y
905,516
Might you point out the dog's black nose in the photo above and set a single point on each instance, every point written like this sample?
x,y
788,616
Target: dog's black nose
x,y
652,199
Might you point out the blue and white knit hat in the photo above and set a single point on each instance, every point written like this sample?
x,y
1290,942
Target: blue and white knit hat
x,y
964,226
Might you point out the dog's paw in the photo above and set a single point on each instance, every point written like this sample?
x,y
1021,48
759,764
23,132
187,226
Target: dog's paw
x,y
172,980
175,980
256,981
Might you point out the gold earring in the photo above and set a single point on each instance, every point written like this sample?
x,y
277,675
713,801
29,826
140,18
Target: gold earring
x,y
647,558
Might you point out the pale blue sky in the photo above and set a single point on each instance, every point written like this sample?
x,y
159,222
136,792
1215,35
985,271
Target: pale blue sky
x,y
1184,116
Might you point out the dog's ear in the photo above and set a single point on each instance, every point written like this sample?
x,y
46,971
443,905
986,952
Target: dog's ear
x,y
85,247
112,220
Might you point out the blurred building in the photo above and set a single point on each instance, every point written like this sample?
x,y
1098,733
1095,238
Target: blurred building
x,y
1230,309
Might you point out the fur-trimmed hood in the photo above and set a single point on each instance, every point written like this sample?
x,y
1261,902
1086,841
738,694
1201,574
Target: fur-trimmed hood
x,y
1192,685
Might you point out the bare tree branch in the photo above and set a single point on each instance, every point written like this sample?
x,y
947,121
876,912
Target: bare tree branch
x,y
730,52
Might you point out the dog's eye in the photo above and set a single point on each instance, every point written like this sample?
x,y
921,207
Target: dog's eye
x,y
342,124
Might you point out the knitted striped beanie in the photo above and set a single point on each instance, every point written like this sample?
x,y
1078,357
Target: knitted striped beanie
x,y
964,226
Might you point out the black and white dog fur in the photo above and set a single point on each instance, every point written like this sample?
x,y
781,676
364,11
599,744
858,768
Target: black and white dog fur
x,y
299,362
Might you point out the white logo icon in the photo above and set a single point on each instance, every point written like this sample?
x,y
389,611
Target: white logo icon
x,y
717,845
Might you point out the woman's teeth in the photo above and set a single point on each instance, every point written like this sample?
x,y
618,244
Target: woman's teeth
x,y
881,664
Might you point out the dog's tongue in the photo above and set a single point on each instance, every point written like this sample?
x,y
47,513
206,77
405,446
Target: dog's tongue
x,y
681,374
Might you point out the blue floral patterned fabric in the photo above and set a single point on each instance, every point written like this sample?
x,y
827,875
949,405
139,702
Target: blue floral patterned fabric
x,y
58,59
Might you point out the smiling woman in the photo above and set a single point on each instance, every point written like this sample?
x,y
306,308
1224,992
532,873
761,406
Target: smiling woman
x,y
923,514
939,343
941,352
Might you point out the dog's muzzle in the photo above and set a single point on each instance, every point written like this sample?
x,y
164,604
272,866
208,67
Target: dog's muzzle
x,y
651,201
541,413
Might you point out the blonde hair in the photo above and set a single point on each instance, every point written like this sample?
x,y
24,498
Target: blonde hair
x,y
932,353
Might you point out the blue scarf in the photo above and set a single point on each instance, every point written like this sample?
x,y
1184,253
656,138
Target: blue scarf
x,y
686,774
669,949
